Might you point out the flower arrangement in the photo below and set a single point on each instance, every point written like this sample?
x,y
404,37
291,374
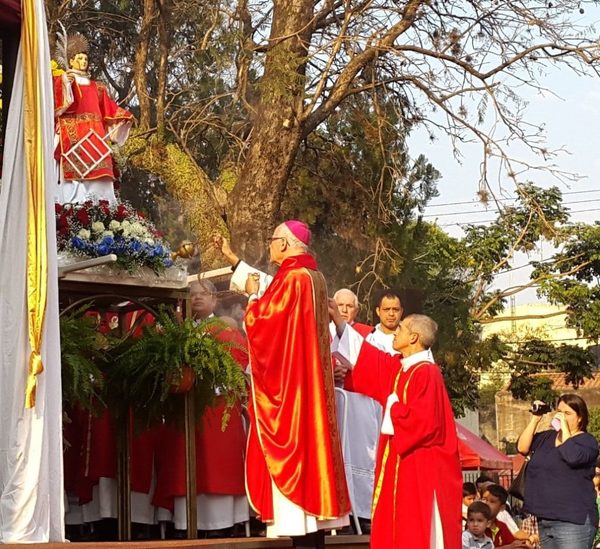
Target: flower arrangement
x,y
95,229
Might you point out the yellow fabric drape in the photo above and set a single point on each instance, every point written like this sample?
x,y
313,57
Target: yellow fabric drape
x,y
37,253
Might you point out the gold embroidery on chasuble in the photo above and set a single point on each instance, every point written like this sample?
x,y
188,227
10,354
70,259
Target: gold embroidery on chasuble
x,y
322,322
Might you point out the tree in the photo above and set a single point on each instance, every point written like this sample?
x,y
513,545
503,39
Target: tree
x,y
253,111
251,82
456,277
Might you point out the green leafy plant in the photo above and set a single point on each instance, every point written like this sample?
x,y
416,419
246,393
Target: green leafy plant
x,y
83,357
146,371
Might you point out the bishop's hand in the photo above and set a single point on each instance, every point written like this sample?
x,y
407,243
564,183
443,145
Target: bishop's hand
x,y
222,244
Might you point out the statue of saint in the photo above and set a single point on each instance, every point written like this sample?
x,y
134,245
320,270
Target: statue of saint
x,y
87,122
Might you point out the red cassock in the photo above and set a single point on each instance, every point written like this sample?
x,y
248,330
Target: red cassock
x,y
219,454
92,439
293,439
92,109
418,460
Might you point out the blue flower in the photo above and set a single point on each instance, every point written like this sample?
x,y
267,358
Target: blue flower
x,y
167,261
135,246
158,251
103,249
119,246
78,243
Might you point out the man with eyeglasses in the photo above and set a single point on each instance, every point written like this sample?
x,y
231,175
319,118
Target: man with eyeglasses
x,y
294,468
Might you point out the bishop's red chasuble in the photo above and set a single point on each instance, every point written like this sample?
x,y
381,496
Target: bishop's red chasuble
x,y
293,439
91,109
418,460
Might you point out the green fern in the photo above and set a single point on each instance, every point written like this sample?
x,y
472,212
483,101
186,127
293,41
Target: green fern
x,y
144,371
83,357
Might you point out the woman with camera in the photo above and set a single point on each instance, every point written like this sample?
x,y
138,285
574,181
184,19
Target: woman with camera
x,y
559,489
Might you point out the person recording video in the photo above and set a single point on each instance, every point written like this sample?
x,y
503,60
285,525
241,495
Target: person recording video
x,y
559,488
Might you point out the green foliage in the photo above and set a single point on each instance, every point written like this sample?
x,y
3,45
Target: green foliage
x,y
538,213
83,358
536,356
572,278
594,422
145,372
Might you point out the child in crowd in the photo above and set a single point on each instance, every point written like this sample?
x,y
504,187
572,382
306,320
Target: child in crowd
x,y
479,519
469,496
496,496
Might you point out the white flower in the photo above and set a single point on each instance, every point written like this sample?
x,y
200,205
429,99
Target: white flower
x,y
126,232
98,227
149,241
125,224
138,229
107,233
114,225
84,233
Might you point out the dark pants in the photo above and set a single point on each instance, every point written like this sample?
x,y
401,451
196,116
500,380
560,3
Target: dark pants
x,y
314,540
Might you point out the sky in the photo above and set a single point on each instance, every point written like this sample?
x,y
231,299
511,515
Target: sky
x,y
571,115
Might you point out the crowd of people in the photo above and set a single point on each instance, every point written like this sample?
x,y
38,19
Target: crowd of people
x,y
372,396
561,496
345,418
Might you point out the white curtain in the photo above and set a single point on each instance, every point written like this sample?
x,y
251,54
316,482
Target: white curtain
x,y
31,466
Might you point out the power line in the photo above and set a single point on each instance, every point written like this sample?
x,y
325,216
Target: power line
x,y
501,199
462,212
485,221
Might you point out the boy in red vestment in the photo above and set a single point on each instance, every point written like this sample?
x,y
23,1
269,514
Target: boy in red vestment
x,y
294,469
417,497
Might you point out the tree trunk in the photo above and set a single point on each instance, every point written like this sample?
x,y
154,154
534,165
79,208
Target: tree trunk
x,y
256,200
164,45
139,66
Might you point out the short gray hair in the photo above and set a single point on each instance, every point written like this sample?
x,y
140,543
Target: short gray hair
x,y
346,290
425,327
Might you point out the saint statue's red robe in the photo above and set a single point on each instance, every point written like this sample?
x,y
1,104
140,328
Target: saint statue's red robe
x,y
91,109
293,439
419,460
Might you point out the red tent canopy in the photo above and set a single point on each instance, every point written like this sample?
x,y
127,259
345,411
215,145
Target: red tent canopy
x,y
476,453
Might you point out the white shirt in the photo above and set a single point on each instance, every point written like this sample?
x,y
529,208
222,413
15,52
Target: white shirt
x,y
384,342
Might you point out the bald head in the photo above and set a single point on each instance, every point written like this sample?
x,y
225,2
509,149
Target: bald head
x,y
347,303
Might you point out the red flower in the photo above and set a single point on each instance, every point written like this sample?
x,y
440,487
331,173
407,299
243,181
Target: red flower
x,y
57,208
104,207
83,217
63,221
121,213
